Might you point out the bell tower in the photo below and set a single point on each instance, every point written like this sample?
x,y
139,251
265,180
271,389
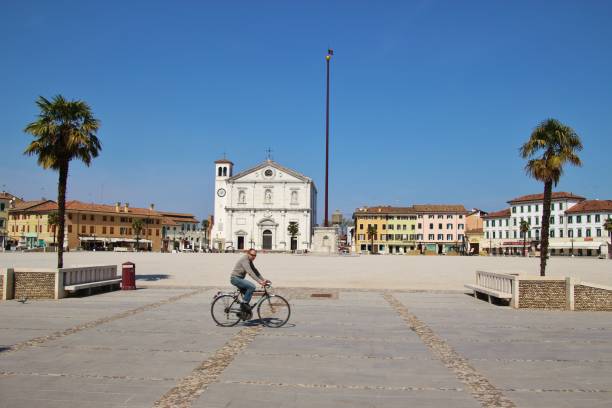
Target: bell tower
x,y
223,171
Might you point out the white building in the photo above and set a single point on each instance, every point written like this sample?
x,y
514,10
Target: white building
x,y
254,208
574,225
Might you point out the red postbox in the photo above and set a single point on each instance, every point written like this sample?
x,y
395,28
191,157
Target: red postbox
x,y
128,276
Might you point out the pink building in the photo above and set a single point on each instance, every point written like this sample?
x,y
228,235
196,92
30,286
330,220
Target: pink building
x,y
441,227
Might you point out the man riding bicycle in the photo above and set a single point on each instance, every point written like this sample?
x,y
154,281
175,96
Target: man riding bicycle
x,y
244,266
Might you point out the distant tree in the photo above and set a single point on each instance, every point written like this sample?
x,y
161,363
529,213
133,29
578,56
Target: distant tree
x,y
608,227
65,130
137,226
371,233
524,227
293,230
205,225
53,221
559,145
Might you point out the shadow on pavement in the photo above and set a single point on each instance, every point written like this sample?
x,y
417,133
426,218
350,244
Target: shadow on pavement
x,y
151,278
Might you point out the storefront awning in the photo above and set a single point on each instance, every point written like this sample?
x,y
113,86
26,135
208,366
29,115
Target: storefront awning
x,y
576,245
97,239
130,240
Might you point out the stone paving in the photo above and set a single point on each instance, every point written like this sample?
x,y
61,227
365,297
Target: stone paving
x,y
160,348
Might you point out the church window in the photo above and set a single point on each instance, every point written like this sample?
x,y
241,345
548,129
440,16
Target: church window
x,y
268,173
294,197
220,172
242,197
224,171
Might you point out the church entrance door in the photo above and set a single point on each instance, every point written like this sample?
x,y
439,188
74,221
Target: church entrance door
x,y
267,240
293,243
240,242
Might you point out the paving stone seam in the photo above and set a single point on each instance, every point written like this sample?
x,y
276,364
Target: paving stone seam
x,y
320,336
542,328
338,356
92,376
89,325
129,331
109,348
478,385
191,387
343,386
527,360
529,341
280,289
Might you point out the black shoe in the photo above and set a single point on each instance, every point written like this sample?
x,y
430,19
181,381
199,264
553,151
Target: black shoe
x,y
245,307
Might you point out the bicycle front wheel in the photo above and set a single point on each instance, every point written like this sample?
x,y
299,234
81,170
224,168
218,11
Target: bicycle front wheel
x,y
274,311
225,311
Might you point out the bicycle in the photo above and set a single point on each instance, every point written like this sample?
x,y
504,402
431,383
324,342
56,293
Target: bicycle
x,y
273,310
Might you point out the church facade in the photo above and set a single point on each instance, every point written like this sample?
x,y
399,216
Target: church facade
x,y
254,208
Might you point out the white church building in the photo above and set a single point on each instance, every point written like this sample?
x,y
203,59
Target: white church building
x,y
254,208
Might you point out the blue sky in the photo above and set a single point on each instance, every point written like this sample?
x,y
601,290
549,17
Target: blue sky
x,y
430,99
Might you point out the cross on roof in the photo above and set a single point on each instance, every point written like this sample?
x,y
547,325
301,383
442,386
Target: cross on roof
x,y
269,153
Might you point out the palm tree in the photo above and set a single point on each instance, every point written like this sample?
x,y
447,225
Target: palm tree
x,y
608,227
205,225
65,130
559,144
293,230
138,226
53,221
524,228
371,233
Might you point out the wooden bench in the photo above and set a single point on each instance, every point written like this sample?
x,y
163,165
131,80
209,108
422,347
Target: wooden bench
x,y
493,285
90,285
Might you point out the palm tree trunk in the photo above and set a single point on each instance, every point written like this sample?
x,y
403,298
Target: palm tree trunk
x,y
524,243
545,226
61,204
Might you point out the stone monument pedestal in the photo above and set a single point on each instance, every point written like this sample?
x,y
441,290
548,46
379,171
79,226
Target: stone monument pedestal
x,y
325,240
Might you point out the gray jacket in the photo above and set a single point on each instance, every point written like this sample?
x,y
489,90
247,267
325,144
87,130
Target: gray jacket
x,y
244,266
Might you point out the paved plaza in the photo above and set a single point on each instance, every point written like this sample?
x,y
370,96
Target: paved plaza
x,y
357,272
360,348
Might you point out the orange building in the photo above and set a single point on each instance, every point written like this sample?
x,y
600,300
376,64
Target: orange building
x,y
108,227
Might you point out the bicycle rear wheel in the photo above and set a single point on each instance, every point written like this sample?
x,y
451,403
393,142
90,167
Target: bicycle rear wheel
x,y
225,311
274,311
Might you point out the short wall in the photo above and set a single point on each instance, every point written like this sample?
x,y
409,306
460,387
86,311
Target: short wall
x,y
550,293
34,284
542,294
592,297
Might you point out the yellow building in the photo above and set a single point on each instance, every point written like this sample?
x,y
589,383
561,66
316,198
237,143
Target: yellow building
x,y
88,226
395,230
6,200
28,225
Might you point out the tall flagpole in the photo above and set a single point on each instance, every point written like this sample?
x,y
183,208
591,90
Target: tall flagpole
x,y
326,221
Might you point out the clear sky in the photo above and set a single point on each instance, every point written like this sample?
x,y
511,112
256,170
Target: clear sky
x,y
430,99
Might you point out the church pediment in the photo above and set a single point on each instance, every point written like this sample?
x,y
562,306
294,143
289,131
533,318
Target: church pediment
x,y
269,171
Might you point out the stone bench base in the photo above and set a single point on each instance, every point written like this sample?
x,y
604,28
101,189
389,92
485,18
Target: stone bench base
x,y
89,285
489,292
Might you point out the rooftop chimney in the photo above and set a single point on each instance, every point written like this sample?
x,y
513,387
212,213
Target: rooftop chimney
x,y
117,205
126,207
